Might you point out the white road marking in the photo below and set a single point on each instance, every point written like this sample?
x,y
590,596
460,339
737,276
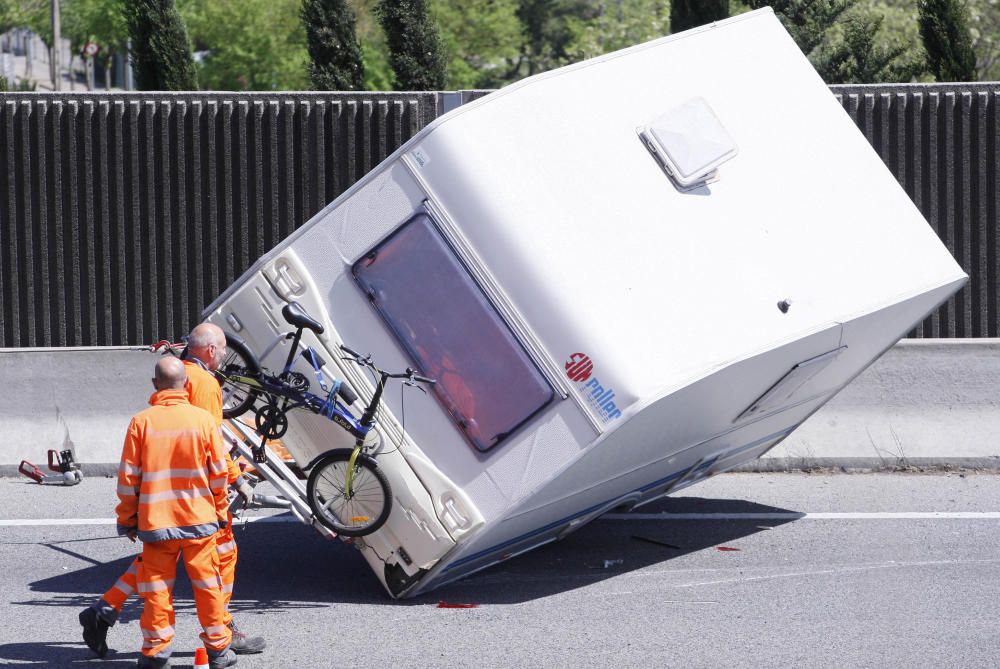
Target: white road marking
x,y
878,515
50,522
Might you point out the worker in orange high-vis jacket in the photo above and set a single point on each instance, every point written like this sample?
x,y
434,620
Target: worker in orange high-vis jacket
x,y
172,492
206,351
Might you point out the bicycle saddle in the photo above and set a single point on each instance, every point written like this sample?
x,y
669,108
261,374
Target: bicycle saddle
x,y
297,316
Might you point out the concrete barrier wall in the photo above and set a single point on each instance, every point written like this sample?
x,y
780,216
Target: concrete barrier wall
x,y
925,403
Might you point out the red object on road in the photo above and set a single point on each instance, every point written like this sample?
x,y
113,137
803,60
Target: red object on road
x,y
451,605
726,548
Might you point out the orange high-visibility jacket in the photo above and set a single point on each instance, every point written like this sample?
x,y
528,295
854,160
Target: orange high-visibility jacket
x,y
172,478
205,392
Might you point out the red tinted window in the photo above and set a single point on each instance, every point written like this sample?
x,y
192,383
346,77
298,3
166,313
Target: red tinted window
x,y
441,317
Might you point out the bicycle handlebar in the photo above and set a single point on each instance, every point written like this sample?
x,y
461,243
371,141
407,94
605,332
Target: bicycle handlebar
x,y
409,374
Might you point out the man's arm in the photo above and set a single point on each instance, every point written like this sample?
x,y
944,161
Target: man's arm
x,y
218,473
129,482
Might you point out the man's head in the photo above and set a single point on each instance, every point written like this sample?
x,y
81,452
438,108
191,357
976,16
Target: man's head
x,y
169,374
207,342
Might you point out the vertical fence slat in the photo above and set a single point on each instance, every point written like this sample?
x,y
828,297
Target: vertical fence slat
x,y
8,250
41,225
240,205
179,220
88,228
25,261
119,247
257,215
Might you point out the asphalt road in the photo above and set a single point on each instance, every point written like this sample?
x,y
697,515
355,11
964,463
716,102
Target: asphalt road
x,y
852,587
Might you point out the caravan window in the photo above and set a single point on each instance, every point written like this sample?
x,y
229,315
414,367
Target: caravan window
x,y
486,381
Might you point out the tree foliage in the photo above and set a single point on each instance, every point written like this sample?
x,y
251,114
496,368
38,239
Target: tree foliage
x,y
256,45
481,40
845,42
944,28
984,27
618,26
551,31
161,53
31,14
808,21
335,57
685,14
861,58
415,51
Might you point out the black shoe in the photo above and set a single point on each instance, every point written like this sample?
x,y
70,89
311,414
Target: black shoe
x,y
227,659
95,632
244,645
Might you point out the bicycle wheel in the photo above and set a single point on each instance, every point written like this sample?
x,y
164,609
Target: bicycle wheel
x,y
367,507
240,362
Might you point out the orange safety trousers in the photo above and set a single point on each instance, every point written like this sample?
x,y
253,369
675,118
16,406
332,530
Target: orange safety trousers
x,y
156,571
225,546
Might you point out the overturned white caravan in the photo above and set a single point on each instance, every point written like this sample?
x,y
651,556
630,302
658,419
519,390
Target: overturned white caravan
x,y
627,275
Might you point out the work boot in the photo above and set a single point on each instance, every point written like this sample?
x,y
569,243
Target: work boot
x,y
244,645
95,631
226,659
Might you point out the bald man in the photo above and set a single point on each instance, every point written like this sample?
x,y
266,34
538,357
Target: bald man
x,y
205,353
172,496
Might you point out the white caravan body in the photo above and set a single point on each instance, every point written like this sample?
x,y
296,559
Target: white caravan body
x,y
668,332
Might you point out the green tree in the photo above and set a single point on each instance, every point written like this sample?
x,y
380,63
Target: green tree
x,y
335,56
161,54
806,20
33,14
374,52
551,30
944,28
99,21
481,40
844,40
686,14
255,45
415,50
984,27
860,57
613,27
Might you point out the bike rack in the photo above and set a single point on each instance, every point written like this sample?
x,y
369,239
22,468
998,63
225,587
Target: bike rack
x,y
277,473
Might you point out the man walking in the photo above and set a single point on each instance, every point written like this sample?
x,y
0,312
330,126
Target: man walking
x,y
206,351
172,492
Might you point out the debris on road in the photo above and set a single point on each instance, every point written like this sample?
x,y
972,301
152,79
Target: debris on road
x,y
657,542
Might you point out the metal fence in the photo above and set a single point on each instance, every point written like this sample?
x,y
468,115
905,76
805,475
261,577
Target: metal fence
x,y
123,215
941,142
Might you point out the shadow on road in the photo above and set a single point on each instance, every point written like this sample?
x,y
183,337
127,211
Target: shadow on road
x,y
62,654
606,549
287,566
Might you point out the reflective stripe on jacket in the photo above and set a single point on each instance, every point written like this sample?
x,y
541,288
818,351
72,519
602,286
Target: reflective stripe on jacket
x,y
172,477
205,392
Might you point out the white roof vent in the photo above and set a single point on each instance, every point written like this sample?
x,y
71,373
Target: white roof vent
x,y
689,143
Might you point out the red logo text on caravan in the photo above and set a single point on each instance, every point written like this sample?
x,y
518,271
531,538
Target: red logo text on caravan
x,y
579,367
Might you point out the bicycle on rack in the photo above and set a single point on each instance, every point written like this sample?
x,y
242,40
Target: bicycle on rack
x,y
346,490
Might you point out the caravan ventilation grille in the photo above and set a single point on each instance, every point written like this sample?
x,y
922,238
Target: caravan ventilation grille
x,y
689,142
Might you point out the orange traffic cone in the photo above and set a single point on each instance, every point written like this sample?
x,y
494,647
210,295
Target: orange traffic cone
x,y
201,659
